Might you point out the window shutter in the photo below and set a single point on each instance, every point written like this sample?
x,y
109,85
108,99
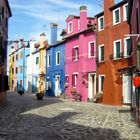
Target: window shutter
x,y
117,16
66,79
118,49
77,53
102,53
92,49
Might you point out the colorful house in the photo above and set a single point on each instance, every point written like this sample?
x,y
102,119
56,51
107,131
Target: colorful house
x,y
55,65
80,67
5,14
114,53
21,69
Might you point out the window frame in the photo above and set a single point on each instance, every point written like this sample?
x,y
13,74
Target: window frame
x,y
66,81
102,75
56,61
125,12
75,80
75,57
89,49
100,53
126,48
69,31
48,60
114,19
115,54
99,25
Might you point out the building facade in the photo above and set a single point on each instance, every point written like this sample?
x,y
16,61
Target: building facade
x,y
55,62
114,53
5,13
80,68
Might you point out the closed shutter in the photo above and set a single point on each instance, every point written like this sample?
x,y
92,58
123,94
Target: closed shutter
x,y
102,82
118,50
73,81
117,16
129,46
77,53
92,49
102,53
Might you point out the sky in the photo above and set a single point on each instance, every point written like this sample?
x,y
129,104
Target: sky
x,y
30,18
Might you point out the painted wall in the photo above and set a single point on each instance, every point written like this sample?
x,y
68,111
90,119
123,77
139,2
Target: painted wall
x,y
56,69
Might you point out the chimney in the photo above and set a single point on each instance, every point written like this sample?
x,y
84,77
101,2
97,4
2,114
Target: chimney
x,y
53,33
83,18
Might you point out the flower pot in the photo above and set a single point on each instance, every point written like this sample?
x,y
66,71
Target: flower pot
x,y
39,96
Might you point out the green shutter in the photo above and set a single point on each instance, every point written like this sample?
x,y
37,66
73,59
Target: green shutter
x,y
102,82
101,23
118,50
129,46
102,53
117,16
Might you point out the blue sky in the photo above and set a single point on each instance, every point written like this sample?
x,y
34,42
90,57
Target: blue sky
x,y
32,17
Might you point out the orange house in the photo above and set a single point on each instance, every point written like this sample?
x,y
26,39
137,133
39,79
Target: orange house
x,y
114,52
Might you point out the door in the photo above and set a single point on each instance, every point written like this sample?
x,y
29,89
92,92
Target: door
x,y
126,89
91,85
57,85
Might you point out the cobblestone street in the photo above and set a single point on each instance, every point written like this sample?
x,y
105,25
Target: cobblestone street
x,y
25,118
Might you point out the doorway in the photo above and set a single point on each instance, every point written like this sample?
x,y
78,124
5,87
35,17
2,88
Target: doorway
x,y
57,85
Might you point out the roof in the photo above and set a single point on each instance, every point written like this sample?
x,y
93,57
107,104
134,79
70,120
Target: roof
x,y
91,29
9,8
118,5
55,45
74,16
130,5
99,14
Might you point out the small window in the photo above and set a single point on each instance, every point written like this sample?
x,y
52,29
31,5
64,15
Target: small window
x,y
125,11
101,82
16,56
49,60
101,23
57,58
101,53
127,47
116,16
91,49
21,55
74,79
70,27
37,60
75,53
21,69
66,79
117,49
16,69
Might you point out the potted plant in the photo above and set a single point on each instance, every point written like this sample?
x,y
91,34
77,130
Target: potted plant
x,y
39,96
98,97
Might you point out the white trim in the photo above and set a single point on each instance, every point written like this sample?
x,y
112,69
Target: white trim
x,y
125,12
100,52
78,24
125,48
114,23
75,73
75,78
90,86
89,49
115,49
48,58
69,26
58,52
99,20
100,82
76,47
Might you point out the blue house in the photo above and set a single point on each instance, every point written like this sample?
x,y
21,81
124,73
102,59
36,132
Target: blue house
x,y
55,65
21,68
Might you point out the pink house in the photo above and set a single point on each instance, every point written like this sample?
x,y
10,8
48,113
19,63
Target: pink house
x,y
80,68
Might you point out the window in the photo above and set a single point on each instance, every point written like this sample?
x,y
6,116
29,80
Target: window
x,y
21,55
101,82
116,16
101,23
127,47
49,60
66,78
101,53
91,49
16,56
78,24
37,60
70,27
125,10
16,69
57,58
21,69
74,79
117,49
13,58
75,53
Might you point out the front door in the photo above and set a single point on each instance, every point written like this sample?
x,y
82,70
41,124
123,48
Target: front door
x,y
126,89
91,85
57,85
